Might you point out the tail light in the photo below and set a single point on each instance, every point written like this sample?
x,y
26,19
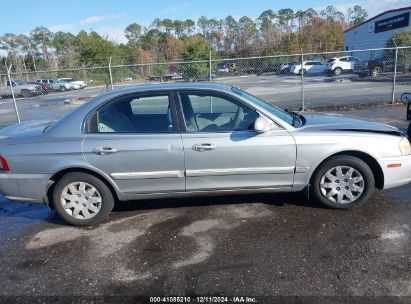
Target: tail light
x,y
3,164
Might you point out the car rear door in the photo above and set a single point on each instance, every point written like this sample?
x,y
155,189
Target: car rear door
x,y
135,140
222,150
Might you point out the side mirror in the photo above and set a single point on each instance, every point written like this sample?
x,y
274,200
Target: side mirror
x,y
263,124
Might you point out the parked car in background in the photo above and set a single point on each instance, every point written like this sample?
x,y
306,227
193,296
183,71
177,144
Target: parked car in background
x,y
227,67
47,88
309,67
58,85
377,67
186,139
81,84
339,65
285,67
20,88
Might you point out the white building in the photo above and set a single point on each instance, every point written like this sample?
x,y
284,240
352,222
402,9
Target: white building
x,y
375,32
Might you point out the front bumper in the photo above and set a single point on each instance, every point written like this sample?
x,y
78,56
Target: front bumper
x,y
396,176
29,188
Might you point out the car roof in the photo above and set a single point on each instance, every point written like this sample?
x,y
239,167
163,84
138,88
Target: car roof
x,y
175,86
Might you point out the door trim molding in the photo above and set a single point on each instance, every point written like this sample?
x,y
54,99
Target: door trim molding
x,y
147,175
240,171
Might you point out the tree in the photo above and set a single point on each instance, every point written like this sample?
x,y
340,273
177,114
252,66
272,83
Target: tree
x,y
332,14
189,26
133,32
94,50
247,34
13,45
195,48
356,15
41,37
64,45
231,28
402,38
286,19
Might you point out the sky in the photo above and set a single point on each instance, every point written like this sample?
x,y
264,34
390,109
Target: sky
x,y
110,17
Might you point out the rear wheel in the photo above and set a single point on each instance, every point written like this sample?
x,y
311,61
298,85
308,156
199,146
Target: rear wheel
x,y
343,182
303,71
376,72
82,199
63,89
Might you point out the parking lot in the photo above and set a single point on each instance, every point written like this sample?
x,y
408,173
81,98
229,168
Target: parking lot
x,y
284,91
261,245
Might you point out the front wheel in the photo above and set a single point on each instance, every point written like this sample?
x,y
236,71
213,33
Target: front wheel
x,y
63,89
343,182
82,199
337,71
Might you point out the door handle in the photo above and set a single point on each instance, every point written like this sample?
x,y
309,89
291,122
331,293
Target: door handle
x,y
104,150
204,147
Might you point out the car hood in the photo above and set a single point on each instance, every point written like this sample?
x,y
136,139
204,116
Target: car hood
x,y
25,129
338,122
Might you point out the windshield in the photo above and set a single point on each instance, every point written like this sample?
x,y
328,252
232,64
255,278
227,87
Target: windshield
x,y
288,118
331,60
20,82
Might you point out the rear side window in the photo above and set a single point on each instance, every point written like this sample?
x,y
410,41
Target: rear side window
x,y
135,114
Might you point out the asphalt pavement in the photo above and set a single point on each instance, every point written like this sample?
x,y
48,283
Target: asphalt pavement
x,y
254,245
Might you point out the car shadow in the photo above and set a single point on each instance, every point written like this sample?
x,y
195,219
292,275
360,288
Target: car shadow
x,y
274,199
26,214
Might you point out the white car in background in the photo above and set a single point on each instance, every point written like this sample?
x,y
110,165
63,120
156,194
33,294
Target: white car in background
x,y
78,84
309,67
339,65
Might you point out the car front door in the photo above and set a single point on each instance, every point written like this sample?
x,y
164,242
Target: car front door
x,y
134,140
222,150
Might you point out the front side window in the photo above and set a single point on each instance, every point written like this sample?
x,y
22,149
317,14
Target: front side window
x,y
136,114
208,112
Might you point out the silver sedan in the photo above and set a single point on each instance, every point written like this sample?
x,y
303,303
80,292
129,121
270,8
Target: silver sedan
x,y
191,139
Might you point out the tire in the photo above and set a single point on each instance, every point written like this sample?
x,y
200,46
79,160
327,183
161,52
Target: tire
x,y
25,93
98,203
300,72
336,187
337,71
375,72
63,89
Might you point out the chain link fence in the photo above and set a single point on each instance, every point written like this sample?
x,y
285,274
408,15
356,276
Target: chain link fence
x,y
305,81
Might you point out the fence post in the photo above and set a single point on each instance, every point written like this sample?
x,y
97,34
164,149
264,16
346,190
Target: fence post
x,y
111,75
210,77
12,92
302,82
395,72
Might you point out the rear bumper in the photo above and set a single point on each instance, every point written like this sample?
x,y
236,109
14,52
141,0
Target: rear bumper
x,y
29,188
397,176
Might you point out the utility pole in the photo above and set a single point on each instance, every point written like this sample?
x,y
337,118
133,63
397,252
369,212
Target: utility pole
x,y
12,92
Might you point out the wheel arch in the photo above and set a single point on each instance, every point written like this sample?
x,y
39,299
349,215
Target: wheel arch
x,y
58,175
368,159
